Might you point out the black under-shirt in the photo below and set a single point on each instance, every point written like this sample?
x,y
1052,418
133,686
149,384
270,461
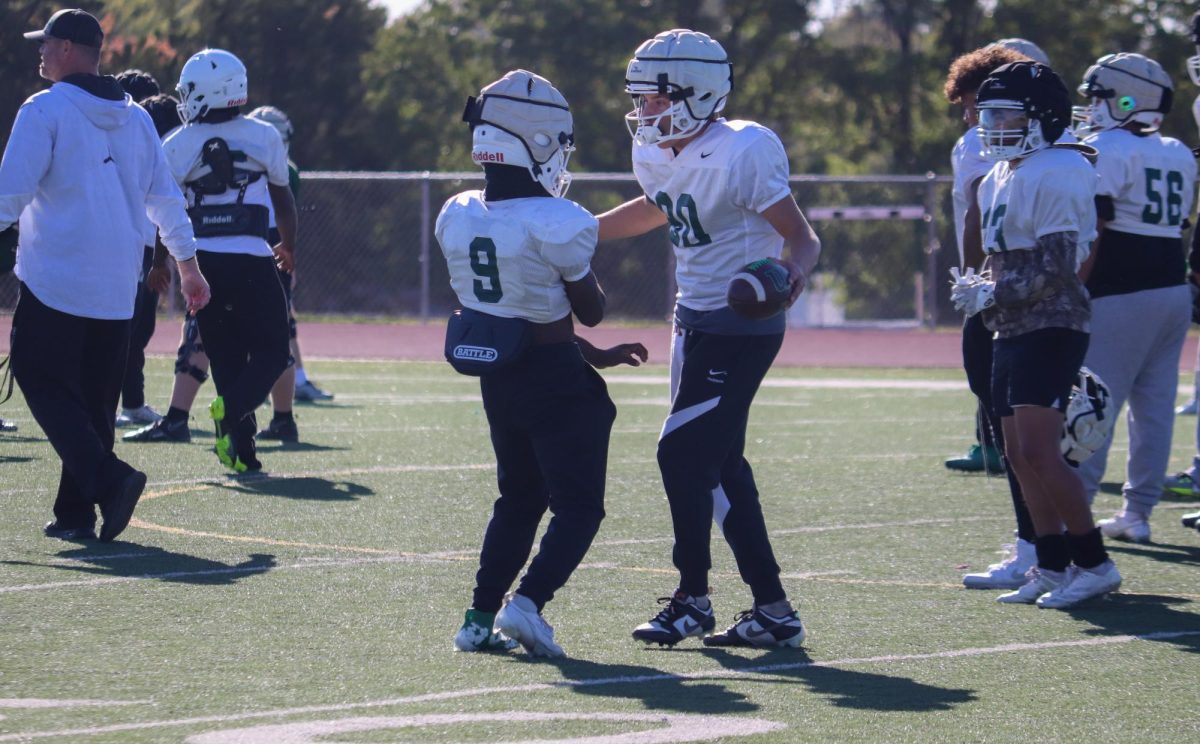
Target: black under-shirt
x,y
1128,263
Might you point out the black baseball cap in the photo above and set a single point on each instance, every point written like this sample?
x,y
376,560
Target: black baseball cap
x,y
72,24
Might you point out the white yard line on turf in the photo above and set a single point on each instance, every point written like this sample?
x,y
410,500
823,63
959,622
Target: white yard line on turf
x,y
508,691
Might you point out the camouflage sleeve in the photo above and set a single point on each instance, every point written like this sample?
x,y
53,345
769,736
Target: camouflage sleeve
x,y
1045,270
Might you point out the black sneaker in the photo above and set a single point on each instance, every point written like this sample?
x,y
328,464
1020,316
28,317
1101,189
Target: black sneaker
x,y
161,431
54,529
680,619
756,628
280,430
7,425
118,509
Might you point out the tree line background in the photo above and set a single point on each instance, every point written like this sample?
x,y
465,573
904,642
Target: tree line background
x,y
857,93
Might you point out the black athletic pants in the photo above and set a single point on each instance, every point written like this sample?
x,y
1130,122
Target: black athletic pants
x,y
550,418
145,310
701,449
70,369
245,331
977,361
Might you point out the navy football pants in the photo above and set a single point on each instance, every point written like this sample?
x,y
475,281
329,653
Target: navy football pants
x,y
550,418
700,455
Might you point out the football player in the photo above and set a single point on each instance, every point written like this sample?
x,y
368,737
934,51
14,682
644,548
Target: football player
x,y
519,257
1136,274
969,167
1038,223
722,188
232,167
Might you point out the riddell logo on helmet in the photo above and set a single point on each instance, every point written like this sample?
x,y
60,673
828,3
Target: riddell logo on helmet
x,y
487,157
237,101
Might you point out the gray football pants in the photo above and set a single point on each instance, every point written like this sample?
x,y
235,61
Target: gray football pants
x,y
1135,346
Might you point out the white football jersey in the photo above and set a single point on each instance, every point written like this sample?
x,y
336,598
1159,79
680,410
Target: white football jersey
x,y
1151,180
510,258
713,194
256,146
1053,190
968,165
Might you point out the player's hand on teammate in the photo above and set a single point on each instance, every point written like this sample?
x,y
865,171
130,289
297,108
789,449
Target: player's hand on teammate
x,y
285,259
193,285
631,354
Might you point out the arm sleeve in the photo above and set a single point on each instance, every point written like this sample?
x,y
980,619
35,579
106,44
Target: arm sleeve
x,y
26,160
569,246
167,208
760,174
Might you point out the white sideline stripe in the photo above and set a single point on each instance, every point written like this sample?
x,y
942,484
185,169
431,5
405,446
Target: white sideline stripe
x,y
568,684
228,570
36,703
824,383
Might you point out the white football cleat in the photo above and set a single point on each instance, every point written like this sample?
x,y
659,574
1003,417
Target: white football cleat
x,y
139,416
1008,573
1127,527
1038,583
1187,409
1082,584
519,619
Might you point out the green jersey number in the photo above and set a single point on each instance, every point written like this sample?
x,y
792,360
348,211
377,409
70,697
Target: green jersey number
x,y
1162,207
483,263
686,231
993,226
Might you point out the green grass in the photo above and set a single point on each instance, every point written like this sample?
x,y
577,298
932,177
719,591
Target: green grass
x,y
332,589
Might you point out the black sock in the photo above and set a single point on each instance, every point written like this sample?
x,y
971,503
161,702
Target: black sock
x,y
1053,552
282,416
176,415
1087,550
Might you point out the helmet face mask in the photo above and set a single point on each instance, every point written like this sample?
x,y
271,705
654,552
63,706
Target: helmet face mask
x,y
211,79
1007,132
1193,67
687,67
522,120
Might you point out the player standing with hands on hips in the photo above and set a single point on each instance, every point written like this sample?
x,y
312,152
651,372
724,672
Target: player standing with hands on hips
x,y
1038,222
722,187
82,169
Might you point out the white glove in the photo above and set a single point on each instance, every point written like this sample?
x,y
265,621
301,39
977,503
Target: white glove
x,y
971,292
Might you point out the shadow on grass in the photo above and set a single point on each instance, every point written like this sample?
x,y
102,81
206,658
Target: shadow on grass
x,y
843,688
156,563
1159,551
1151,616
655,689
296,447
5,459
307,488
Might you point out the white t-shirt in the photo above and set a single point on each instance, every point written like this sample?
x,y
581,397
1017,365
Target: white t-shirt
x,y
1053,190
968,166
510,258
713,194
255,145
1151,180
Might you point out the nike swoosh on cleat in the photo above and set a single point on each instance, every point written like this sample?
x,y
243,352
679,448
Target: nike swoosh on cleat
x,y
690,626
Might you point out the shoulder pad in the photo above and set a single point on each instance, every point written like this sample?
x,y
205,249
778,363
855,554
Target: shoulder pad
x,y
1087,151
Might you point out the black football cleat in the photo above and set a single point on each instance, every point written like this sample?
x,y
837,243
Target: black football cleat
x,y
680,619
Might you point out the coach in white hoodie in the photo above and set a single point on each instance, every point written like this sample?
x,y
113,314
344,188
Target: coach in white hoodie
x,y
82,169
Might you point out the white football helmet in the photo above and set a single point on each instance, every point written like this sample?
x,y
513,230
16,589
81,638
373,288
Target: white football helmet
x,y
277,119
1089,420
522,119
1026,47
211,79
692,70
1124,88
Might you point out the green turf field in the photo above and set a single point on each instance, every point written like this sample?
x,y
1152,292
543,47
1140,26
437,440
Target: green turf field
x,y
319,603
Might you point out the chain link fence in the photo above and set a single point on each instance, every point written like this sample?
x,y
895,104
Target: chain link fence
x,y
366,248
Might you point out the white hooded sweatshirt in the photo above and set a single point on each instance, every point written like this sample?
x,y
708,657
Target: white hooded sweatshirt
x,y
81,173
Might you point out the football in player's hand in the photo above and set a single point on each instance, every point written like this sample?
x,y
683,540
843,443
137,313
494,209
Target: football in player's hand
x,y
761,289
